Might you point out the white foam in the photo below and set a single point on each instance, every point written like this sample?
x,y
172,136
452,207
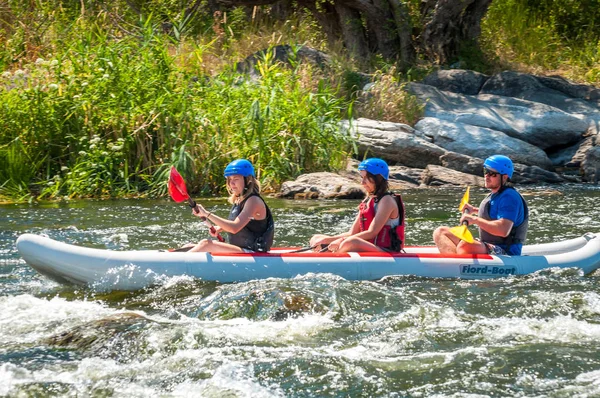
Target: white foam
x,y
26,318
229,379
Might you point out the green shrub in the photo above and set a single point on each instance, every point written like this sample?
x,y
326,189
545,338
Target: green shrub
x,y
545,36
388,99
109,115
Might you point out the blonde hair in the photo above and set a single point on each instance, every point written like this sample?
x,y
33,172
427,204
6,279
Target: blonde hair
x,y
251,186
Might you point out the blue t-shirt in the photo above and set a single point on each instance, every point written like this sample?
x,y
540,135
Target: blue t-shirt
x,y
508,204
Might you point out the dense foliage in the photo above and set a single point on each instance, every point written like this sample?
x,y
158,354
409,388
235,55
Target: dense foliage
x,y
544,36
106,113
99,98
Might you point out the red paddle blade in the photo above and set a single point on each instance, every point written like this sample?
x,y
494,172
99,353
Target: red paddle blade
x,y
177,188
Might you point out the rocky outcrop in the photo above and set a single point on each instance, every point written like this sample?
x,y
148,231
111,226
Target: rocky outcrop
x,y
531,122
481,142
322,185
398,143
450,145
437,175
559,118
285,54
547,125
577,100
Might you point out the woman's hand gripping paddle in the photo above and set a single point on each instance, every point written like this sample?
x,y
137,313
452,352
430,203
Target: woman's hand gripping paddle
x,y
462,232
179,194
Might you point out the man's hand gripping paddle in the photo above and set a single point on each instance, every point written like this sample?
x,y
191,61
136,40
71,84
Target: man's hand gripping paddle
x,y
462,232
179,194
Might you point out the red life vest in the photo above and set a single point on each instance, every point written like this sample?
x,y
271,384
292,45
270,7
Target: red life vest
x,y
388,238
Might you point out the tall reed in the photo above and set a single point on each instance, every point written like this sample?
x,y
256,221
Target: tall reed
x,y
528,36
109,112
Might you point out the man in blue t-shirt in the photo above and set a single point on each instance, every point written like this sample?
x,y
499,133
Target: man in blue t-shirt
x,y
502,217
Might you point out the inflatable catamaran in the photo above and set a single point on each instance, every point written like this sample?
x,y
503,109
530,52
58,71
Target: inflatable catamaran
x,y
66,263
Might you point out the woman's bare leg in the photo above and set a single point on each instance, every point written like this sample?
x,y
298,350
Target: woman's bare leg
x,y
211,246
445,240
353,244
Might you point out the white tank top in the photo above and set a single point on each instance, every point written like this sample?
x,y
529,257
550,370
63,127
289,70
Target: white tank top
x,y
392,222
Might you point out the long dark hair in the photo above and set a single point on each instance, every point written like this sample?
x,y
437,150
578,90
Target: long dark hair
x,y
382,185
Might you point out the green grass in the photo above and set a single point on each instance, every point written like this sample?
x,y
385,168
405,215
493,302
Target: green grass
x,y
107,117
517,35
100,101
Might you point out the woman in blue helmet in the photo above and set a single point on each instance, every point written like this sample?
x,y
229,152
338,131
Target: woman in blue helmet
x,y
250,226
379,225
502,217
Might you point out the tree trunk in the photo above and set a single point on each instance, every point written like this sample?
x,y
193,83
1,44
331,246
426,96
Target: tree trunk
x,y
404,27
471,26
282,10
327,17
448,23
380,25
384,26
353,31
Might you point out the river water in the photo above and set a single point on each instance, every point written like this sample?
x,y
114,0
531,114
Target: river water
x,y
311,336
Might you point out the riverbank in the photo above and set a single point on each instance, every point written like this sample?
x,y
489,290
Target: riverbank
x,y
109,96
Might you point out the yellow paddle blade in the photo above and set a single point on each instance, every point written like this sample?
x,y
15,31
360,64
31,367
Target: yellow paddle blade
x,y
464,200
462,233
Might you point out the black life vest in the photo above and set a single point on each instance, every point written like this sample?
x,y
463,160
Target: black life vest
x,y
518,233
257,235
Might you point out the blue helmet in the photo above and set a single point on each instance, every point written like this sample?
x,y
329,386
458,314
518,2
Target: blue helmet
x,y
240,166
501,164
375,166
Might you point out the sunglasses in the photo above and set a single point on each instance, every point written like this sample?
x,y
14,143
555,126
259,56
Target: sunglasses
x,y
488,172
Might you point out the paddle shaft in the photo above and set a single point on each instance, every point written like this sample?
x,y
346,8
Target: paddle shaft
x,y
307,248
194,206
178,193
465,211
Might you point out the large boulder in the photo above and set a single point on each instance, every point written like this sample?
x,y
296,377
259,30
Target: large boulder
x,y
458,81
395,142
574,90
582,157
463,163
534,175
405,176
285,54
578,100
438,176
538,124
321,185
481,142
512,84
523,174
346,184
590,166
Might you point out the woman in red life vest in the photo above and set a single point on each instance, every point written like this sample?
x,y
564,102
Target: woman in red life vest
x,y
379,225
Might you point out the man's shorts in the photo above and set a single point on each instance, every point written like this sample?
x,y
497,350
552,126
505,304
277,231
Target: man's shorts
x,y
493,249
